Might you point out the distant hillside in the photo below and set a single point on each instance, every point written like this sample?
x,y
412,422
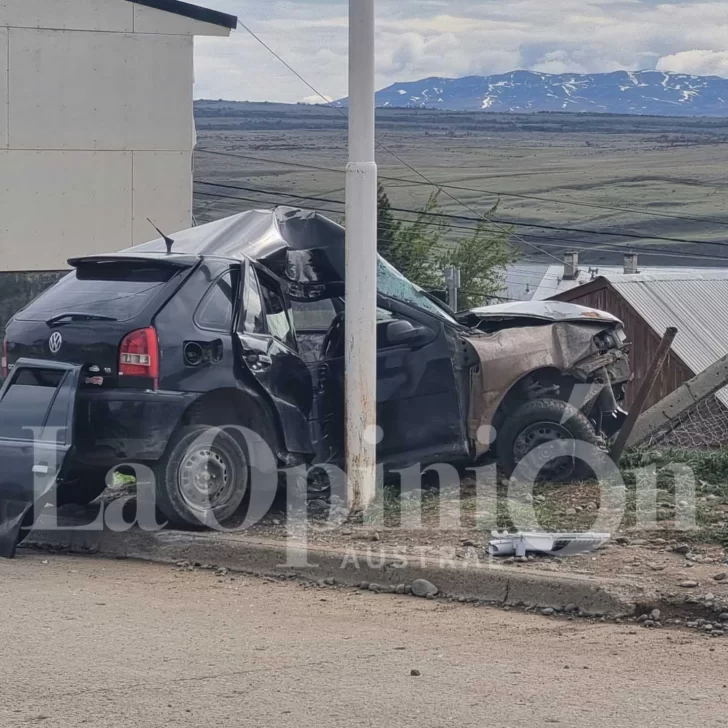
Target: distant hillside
x,y
244,116
621,92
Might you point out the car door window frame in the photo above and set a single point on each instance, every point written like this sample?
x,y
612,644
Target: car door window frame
x,y
68,378
261,278
250,287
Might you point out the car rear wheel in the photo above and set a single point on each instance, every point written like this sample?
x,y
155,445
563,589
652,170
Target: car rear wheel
x,y
202,478
545,422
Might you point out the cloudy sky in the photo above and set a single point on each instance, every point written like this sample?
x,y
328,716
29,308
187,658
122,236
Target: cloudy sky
x,y
419,38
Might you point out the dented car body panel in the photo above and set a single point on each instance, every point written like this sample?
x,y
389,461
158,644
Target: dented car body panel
x,y
510,355
303,248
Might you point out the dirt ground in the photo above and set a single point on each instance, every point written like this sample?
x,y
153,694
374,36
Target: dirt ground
x,y
684,567
123,644
662,558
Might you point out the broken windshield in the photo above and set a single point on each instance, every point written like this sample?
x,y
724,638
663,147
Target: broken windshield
x,y
390,282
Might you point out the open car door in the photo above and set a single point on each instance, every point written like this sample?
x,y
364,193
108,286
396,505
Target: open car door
x,y
37,406
269,351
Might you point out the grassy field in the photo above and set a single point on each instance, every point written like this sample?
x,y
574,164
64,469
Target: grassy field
x,y
659,167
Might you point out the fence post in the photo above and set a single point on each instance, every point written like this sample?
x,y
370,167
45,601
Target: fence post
x,y
452,278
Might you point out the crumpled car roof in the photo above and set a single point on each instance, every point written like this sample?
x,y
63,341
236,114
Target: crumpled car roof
x,y
308,250
300,246
543,310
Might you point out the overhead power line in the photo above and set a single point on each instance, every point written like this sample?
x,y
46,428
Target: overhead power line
x,y
510,275
448,216
594,205
379,143
540,239
496,193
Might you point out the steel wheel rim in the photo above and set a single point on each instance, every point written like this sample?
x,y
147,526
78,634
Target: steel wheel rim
x,y
542,434
205,478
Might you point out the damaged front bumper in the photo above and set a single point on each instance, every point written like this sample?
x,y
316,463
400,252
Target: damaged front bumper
x,y
567,349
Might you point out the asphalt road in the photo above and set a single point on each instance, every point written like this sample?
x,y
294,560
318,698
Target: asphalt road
x,y
123,644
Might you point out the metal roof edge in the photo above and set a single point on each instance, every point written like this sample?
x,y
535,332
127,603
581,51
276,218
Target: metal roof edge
x,y
188,10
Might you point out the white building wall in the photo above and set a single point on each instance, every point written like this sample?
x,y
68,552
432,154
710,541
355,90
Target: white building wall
x,y
55,204
161,190
4,77
96,127
95,90
108,15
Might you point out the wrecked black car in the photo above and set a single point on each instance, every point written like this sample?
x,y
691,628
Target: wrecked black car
x,y
240,322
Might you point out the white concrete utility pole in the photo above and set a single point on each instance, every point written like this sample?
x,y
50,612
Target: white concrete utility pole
x,y
361,263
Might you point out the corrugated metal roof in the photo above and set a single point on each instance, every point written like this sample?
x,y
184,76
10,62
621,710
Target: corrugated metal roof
x,y
553,281
522,280
697,305
695,301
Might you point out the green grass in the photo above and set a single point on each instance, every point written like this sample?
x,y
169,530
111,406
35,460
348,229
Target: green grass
x,y
120,479
576,506
710,466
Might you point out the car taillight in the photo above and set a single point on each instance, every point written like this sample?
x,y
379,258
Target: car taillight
x,y
139,355
4,359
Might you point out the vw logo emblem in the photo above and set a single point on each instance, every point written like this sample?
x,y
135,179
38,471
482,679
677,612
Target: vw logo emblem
x,y
54,343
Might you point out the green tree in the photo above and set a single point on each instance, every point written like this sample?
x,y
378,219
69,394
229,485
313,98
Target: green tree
x,y
482,258
423,248
387,226
415,251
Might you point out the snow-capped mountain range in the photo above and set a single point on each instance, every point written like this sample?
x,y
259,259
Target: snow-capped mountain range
x,y
621,92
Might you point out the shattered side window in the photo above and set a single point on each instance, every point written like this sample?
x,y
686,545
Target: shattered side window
x,y
390,282
276,313
313,315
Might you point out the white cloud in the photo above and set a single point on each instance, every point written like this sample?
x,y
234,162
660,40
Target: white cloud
x,y
697,63
457,38
316,99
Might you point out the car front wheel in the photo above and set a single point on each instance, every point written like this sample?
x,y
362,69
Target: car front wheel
x,y
546,424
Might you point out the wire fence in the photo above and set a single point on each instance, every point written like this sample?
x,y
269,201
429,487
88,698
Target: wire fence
x,y
703,427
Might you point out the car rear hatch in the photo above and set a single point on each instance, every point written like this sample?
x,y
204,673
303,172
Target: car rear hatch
x,y
37,406
85,317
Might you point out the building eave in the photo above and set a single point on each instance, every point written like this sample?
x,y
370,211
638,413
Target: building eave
x,y
194,12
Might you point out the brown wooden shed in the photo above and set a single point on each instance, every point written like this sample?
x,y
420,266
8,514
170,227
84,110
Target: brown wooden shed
x,y
695,302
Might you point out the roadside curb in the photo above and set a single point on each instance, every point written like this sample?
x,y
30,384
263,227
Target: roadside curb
x,y
480,581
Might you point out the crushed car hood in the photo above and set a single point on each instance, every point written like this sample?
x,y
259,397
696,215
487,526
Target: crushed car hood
x,y
556,311
302,247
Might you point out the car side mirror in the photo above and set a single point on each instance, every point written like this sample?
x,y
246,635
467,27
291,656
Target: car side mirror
x,y
404,332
